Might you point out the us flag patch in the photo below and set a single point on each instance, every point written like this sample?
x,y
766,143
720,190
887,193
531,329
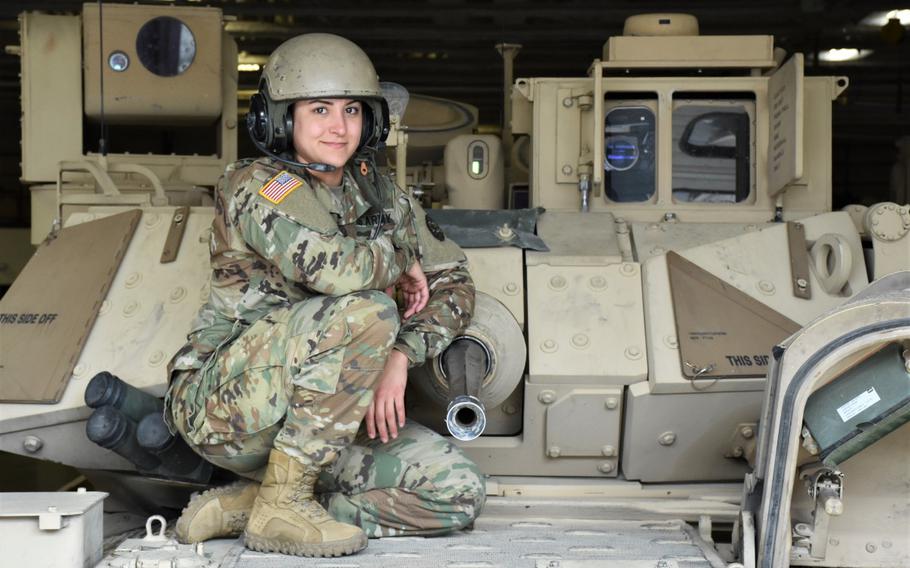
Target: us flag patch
x,y
279,187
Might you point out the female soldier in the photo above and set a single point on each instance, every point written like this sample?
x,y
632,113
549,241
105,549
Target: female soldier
x,y
298,343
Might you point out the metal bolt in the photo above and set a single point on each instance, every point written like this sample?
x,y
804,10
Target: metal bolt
x,y
611,403
608,451
738,452
553,451
667,439
580,340
546,397
548,346
802,529
505,232
870,547
605,467
801,283
747,432
511,288
32,444
670,216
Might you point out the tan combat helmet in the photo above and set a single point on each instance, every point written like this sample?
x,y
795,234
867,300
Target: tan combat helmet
x,y
312,66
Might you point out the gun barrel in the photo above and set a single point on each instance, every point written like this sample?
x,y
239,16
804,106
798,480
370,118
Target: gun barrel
x,y
466,417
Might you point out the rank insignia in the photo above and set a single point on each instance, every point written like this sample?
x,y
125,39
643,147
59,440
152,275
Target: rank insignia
x,y
435,229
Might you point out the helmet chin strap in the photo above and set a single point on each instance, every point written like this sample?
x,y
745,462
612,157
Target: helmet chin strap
x,y
315,166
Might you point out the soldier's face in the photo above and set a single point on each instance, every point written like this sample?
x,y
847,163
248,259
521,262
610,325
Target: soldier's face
x,y
327,130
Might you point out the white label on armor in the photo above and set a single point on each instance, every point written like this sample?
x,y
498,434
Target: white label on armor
x,y
865,399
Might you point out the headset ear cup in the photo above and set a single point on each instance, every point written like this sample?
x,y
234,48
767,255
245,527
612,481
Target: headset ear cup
x,y
286,141
366,131
257,120
384,127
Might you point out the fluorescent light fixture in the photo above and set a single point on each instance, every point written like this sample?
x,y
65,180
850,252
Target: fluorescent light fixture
x,y
843,54
248,67
879,19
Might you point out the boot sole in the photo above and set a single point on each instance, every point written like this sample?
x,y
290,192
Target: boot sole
x,y
322,550
201,499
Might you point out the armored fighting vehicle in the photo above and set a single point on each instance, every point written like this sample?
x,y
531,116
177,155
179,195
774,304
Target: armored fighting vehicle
x,y
681,355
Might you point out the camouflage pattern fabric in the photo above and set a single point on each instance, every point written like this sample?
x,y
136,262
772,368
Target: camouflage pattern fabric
x,y
312,366
416,484
296,332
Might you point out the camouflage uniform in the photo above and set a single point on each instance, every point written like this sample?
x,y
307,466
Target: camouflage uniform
x,y
296,332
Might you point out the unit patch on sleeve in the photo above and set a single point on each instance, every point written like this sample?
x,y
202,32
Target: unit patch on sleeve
x,y
279,187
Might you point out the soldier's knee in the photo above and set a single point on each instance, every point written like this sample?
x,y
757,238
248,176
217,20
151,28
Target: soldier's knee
x,y
374,314
471,501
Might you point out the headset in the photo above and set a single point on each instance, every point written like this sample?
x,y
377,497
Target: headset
x,y
271,128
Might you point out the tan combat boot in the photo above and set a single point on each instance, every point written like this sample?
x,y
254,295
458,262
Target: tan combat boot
x,y
287,519
221,512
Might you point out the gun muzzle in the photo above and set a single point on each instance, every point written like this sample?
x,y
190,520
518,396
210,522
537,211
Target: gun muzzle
x,y
466,418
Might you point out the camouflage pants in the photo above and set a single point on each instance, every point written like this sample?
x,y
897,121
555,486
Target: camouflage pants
x,y
300,380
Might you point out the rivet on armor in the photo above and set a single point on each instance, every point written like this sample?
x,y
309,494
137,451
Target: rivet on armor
x,y
553,451
105,307
667,439
131,308
870,547
747,432
580,340
156,358
766,287
611,403
671,342
605,467
79,369
549,346
566,170
133,280
557,282
178,294
510,288
568,102
598,282
632,352
32,444
546,397
608,451
628,269
150,219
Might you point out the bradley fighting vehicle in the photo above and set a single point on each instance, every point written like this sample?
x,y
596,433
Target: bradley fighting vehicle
x,y
689,348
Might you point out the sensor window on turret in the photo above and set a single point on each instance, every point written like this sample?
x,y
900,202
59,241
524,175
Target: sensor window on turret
x,y
629,151
713,157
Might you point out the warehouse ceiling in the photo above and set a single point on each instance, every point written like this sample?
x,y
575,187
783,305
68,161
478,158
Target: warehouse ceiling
x,y
446,47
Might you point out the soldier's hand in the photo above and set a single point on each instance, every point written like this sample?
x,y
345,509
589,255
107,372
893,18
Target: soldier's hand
x,y
385,415
415,289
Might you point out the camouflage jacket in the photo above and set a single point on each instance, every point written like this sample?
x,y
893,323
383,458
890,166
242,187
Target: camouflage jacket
x,y
280,236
